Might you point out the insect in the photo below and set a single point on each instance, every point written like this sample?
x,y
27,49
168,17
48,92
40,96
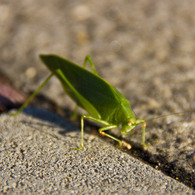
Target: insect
x,y
104,103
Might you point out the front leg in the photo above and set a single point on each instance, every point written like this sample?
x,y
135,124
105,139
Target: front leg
x,y
121,142
101,131
143,122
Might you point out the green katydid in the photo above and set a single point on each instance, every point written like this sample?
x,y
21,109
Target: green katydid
x,y
104,103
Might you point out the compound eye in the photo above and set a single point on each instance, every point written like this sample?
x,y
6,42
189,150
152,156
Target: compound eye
x,y
129,123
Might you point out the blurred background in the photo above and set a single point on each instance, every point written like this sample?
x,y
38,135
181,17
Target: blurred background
x,y
143,48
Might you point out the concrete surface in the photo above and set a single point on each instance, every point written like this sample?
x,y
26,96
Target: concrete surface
x,y
36,158
144,48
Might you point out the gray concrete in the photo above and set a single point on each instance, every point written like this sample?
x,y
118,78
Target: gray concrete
x,y
36,158
144,48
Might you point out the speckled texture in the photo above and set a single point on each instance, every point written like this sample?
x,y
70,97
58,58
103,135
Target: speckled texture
x,y
144,48
35,158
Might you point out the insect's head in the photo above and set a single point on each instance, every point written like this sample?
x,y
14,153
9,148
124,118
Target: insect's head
x,y
128,126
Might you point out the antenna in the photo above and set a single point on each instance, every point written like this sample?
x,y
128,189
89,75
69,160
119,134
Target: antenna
x,y
166,115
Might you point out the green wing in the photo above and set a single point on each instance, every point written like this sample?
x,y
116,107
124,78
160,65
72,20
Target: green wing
x,y
91,92
80,100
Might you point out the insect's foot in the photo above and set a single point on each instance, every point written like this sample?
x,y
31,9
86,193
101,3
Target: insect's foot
x,y
80,148
15,113
119,144
146,145
12,114
125,144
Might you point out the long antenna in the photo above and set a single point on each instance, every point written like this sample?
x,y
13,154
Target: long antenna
x,y
166,115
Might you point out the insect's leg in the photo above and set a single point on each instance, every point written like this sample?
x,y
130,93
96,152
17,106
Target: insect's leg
x,y
143,134
101,131
139,121
75,113
33,95
82,126
88,58
121,142
82,132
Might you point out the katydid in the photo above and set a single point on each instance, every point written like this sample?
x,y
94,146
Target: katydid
x,y
104,103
